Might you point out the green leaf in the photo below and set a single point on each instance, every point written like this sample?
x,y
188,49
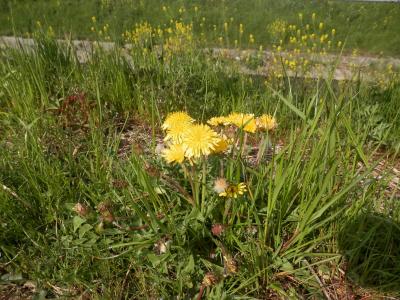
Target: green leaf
x,y
189,265
91,242
12,277
83,229
77,222
79,242
154,259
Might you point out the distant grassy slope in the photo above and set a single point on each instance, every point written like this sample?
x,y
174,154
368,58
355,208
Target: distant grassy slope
x,y
370,27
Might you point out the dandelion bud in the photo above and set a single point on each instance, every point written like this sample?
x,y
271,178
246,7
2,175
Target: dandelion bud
x,y
81,209
161,246
103,206
217,229
301,16
107,217
99,228
230,265
209,279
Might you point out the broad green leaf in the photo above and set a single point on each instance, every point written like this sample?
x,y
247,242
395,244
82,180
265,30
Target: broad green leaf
x,y
77,222
83,229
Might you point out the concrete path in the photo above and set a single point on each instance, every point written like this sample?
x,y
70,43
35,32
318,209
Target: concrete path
x,y
345,67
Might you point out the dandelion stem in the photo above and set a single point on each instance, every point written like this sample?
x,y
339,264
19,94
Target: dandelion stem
x,y
204,183
228,205
187,175
261,148
201,291
221,169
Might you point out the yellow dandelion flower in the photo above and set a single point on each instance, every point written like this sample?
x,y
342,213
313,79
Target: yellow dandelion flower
x,y
176,124
220,185
175,153
177,117
221,146
176,133
266,122
234,190
199,140
245,121
216,121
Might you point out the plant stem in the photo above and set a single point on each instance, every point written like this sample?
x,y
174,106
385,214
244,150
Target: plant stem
x,y
204,183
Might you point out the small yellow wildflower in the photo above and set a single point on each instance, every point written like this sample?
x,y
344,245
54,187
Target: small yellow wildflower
x,y
245,121
266,122
199,140
216,121
234,190
221,146
177,117
176,124
175,133
251,39
175,153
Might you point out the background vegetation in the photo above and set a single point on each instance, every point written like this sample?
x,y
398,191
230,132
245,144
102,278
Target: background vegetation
x,y
369,27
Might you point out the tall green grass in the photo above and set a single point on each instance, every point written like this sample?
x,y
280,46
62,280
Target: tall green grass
x,y
314,191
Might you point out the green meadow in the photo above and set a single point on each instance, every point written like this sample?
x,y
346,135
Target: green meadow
x,y
165,171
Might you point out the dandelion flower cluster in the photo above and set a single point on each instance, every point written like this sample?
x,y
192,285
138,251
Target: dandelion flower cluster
x,y
247,122
186,139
